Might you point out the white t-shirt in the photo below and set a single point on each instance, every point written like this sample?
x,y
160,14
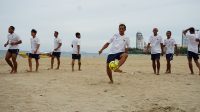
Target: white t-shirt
x,y
169,44
34,42
192,43
57,41
75,43
13,38
155,42
119,43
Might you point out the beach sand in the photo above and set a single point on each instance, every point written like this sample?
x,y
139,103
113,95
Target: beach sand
x,y
138,90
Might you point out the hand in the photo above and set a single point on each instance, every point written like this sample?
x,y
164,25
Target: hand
x,y
162,54
100,52
56,49
5,45
197,40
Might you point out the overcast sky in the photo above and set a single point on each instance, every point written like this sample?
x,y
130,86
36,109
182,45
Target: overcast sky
x,y
96,20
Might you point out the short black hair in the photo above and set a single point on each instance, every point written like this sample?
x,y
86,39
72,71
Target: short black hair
x,y
77,34
13,28
56,32
192,30
122,25
168,31
33,31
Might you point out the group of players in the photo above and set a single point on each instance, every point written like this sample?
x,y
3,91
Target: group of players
x,y
13,50
120,44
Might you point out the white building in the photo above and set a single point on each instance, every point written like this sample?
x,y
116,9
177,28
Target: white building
x,y
139,40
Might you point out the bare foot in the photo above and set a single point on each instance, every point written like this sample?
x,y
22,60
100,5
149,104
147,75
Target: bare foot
x,y
11,71
192,73
49,68
57,69
111,82
158,74
118,70
72,70
79,70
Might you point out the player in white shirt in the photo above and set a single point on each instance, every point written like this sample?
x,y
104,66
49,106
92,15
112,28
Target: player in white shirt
x,y
156,43
76,51
13,50
119,50
57,50
193,43
170,45
35,52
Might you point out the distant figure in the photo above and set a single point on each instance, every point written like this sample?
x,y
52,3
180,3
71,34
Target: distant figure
x,y
119,50
193,43
156,43
76,51
13,50
57,50
170,45
35,52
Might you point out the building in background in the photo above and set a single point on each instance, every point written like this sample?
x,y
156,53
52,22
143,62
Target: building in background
x,y
139,40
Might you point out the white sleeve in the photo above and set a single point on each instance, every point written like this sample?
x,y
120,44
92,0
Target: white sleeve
x,y
111,39
18,38
60,41
164,42
78,42
38,41
174,41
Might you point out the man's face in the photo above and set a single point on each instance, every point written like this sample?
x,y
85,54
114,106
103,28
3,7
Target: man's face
x,y
78,36
122,29
10,30
155,31
55,34
168,34
33,34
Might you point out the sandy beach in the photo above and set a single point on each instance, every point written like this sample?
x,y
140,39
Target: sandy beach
x,y
138,90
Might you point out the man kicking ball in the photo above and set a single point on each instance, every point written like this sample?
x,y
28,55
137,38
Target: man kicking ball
x,y
119,50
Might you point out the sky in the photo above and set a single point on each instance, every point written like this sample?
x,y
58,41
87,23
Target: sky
x,y
96,20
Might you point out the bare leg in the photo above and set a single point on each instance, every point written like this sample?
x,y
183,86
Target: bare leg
x,y
158,66
168,70
198,66
109,73
7,58
122,60
30,64
190,66
52,62
79,65
14,60
37,64
154,66
58,63
73,64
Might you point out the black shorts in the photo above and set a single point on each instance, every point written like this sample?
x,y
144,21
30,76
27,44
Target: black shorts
x,y
13,51
76,56
169,56
193,55
155,56
35,56
56,54
112,57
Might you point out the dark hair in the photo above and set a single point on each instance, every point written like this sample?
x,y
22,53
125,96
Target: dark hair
x,y
56,32
33,31
77,34
123,26
13,28
168,31
192,30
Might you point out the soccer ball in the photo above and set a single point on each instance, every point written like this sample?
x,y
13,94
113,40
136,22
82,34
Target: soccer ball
x,y
113,65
